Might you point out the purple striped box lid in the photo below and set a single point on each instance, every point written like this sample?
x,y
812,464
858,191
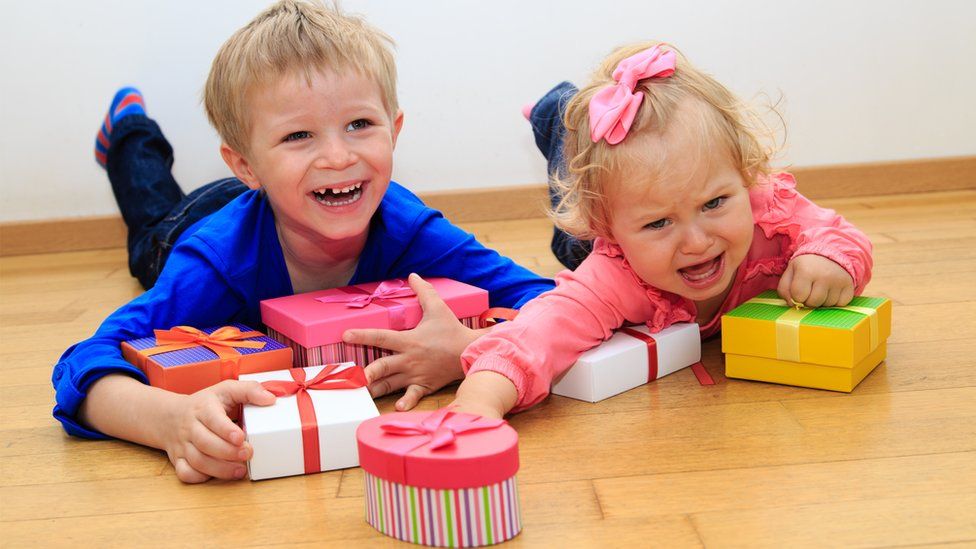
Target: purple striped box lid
x,y
201,354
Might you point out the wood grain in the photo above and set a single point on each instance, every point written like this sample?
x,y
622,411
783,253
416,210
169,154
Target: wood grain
x,y
669,464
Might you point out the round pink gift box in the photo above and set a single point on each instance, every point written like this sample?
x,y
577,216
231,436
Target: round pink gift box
x,y
441,478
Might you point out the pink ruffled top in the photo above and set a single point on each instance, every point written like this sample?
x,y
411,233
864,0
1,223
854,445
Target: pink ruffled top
x,y
604,292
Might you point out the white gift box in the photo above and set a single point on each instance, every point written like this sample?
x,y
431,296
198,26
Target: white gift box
x,y
621,362
275,432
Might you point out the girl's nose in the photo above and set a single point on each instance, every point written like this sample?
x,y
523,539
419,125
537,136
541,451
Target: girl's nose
x,y
696,240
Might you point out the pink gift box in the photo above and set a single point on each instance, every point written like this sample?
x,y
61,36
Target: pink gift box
x,y
441,478
312,324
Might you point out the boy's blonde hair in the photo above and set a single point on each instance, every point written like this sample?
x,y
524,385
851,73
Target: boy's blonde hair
x,y
727,121
290,36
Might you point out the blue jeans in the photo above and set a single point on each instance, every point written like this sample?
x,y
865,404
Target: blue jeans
x,y
153,206
547,126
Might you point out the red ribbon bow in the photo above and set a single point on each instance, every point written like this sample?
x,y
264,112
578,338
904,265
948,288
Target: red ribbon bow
x,y
327,379
359,298
440,428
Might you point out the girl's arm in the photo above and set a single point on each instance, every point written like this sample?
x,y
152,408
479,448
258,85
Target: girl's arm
x,y
550,334
815,235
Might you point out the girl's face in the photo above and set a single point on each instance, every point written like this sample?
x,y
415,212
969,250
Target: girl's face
x,y
687,229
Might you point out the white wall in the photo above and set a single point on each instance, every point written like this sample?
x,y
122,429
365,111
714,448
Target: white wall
x,y
863,80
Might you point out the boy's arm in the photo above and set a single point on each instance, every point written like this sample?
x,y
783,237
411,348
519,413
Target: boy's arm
x,y
428,357
190,291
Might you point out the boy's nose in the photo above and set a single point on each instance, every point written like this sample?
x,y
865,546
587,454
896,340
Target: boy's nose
x,y
334,154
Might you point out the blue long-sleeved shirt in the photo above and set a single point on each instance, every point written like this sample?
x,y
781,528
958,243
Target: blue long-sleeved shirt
x,y
227,263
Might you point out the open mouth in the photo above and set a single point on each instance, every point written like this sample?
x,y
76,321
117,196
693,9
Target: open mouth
x,y
340,196
704,273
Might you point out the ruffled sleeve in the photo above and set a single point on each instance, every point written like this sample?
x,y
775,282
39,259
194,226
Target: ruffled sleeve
x,y
809,229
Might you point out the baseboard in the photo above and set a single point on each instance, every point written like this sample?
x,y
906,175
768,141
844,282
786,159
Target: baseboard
x,y
528,201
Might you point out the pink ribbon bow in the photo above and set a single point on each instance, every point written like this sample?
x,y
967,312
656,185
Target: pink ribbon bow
x,y
613,109
386,290
440,428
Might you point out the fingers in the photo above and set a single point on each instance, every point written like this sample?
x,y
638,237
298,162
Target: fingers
x,y
205,438
188,474
430,301
846,295
384,367
233,392
388,385
214,467
411,397
386,339
215,419
817,295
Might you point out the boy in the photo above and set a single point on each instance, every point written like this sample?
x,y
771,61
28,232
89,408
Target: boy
x,y
304,99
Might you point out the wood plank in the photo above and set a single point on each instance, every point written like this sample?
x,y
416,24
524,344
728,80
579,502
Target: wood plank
x,y
905,521
741,488
670,463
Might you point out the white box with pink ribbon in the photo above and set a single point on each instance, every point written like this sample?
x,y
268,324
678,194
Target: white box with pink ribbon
x,y
311,427
630,358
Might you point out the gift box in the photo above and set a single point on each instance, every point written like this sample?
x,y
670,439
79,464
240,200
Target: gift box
x,y
185,359
630,358
312,324
831,348
441,478
311,427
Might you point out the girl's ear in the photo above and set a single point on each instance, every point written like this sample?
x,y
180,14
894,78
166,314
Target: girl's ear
x,y
240,166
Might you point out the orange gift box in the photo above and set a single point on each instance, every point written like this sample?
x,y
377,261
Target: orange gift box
x,y
185,359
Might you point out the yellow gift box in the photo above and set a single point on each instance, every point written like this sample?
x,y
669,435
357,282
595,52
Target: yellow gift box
x,y
832,348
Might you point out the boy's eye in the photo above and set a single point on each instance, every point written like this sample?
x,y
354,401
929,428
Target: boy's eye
x,y
714,203
296,136
359,124
657,225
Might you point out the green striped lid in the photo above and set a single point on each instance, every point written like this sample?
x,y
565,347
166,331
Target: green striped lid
x,y
830,318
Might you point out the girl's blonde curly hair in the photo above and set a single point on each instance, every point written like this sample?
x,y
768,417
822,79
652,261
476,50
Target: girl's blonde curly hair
x,y
583,210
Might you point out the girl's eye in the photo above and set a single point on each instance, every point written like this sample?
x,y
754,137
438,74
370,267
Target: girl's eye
x,y
657,225
360,124
296,136
714,203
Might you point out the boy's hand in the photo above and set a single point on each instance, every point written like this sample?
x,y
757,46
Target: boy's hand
x,y
202,441
428,357
485,393
815,281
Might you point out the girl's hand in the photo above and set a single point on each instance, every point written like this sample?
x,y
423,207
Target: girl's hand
x,y
815,281
485,393
202,441
428,357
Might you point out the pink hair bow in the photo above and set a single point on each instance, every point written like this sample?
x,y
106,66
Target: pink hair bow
x,y
613,109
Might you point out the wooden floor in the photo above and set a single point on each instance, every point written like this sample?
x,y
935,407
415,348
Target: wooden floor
x,y
669,464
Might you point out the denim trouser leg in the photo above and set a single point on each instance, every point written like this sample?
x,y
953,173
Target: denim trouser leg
x,y
547,126
153,207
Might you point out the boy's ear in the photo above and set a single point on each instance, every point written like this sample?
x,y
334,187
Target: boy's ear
x,y
240,166
397,125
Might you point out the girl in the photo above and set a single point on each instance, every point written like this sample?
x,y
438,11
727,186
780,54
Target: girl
x,y
665,169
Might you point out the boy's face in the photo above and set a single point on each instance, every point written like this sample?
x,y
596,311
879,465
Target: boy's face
x,y
323,152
